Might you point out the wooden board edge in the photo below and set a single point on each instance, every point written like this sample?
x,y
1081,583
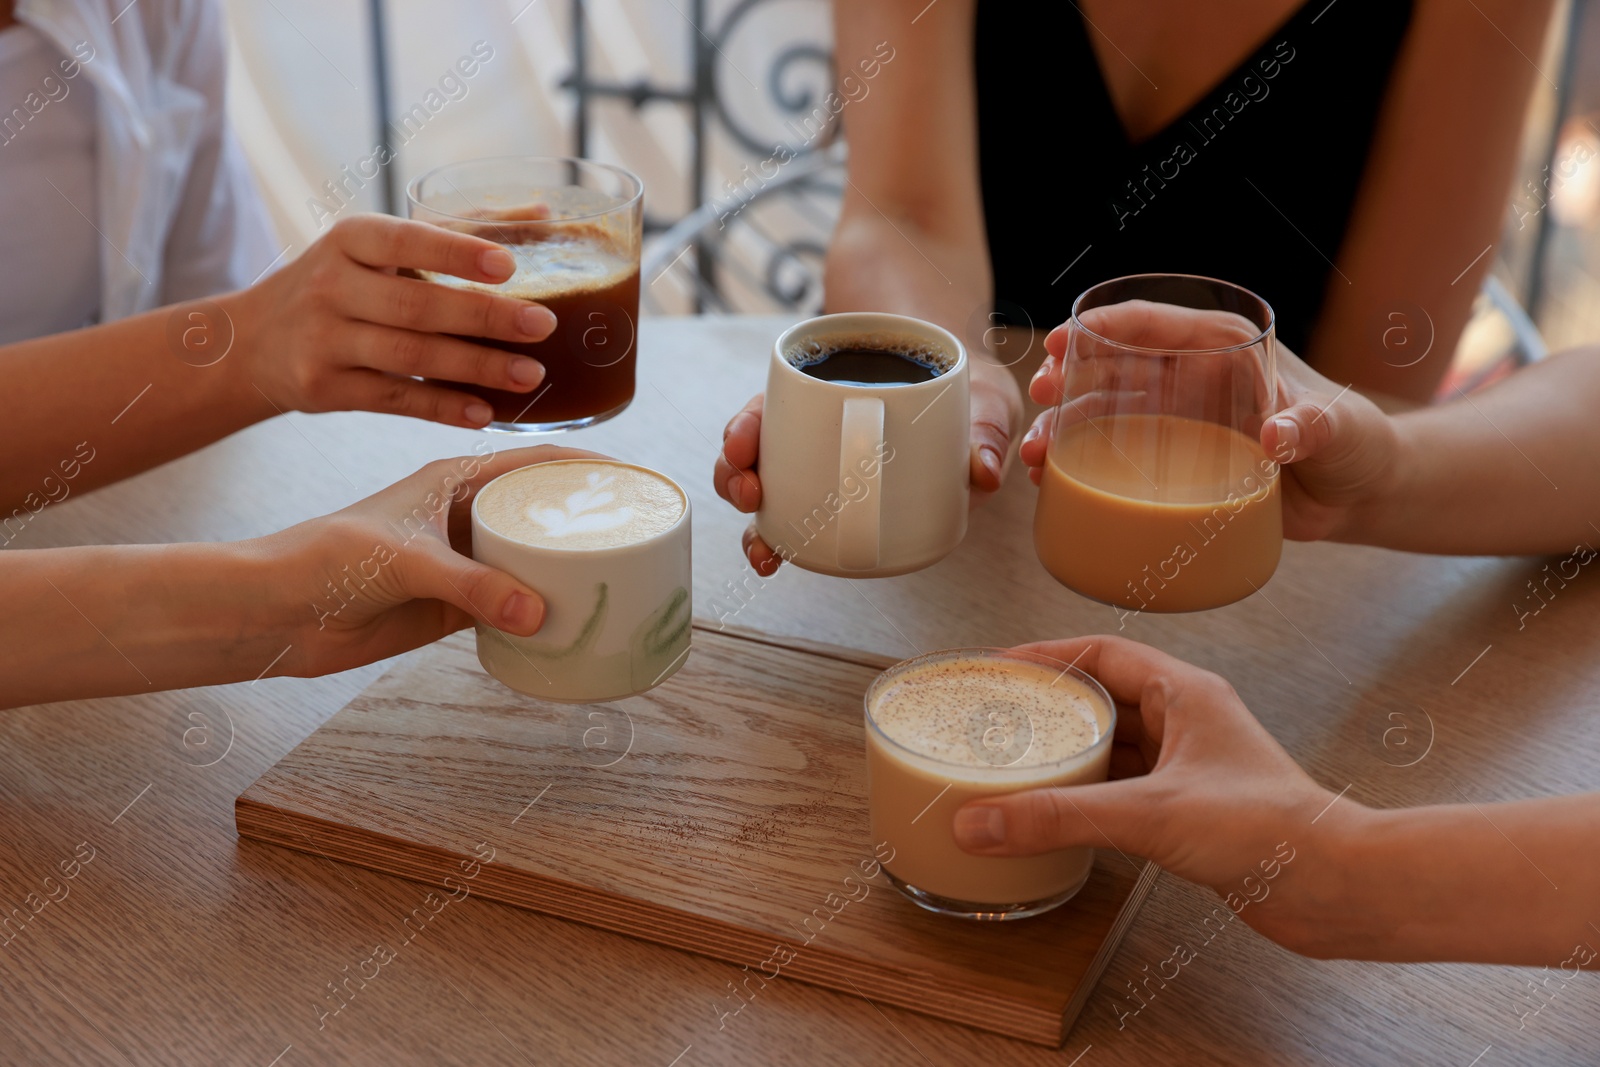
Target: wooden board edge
x,y
1038,1024
841,653
1108,948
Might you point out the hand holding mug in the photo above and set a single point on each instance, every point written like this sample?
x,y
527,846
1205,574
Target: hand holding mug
x,y
865,445
994,413
383,576
394,572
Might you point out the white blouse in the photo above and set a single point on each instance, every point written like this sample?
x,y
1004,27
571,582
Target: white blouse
x,y
162,185
49,249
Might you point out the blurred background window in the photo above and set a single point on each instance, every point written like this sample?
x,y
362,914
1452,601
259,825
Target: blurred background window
x,y
718,106
1542,292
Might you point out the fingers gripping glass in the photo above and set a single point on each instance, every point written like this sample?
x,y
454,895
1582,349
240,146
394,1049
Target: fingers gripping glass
x,y
1156,494
574,228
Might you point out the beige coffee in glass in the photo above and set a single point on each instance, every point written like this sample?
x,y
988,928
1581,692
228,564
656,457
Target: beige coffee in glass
x,y
953,726
1155,494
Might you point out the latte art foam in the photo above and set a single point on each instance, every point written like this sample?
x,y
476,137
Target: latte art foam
x,y
580,504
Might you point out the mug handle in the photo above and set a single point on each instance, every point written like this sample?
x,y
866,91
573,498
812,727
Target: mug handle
x,y
860,442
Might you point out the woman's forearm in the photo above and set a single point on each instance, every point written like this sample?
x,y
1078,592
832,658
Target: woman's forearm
x,y
370,581
88,407
102,621
1509,471
902,267
874,264
1469,882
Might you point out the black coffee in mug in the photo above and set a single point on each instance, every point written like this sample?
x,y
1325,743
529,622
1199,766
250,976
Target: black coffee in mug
x,y
868,363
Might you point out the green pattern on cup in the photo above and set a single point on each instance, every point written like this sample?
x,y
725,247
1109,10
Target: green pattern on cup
x,y
587,634
661,640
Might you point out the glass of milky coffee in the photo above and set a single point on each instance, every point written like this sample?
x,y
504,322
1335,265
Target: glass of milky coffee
x,y
574,228
953,726
607,546
1156,494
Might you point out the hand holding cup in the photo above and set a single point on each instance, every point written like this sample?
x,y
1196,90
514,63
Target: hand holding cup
x,y
993,417
1336,447
395,571
1197,785
339,329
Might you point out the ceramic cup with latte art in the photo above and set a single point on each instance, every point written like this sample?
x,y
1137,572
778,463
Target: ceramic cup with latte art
x,y
607,545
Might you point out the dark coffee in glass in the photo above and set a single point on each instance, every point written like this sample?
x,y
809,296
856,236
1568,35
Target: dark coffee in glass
x,y
574,228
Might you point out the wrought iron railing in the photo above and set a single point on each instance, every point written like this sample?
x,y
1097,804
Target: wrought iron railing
x,y
785,267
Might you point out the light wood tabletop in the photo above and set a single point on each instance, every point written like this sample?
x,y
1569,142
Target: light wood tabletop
x,y
1399,679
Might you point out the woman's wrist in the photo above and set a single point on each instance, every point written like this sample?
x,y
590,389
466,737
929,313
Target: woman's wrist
x,y
1332,902
1342,906
1382,516
239,322
1444,882
227,614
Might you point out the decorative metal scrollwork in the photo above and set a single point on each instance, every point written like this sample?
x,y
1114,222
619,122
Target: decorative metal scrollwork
x,y
791,95
789,280
797,80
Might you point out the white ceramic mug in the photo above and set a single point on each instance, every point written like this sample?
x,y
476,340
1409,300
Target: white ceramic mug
x,y
617,620
864,481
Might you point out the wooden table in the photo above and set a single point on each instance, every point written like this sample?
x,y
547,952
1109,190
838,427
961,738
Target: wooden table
x,y
178,943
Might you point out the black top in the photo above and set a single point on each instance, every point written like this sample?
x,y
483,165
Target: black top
x,y
1253,185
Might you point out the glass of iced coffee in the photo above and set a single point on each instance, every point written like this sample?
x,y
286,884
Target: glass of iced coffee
x,y
574,228
1156,494
952,726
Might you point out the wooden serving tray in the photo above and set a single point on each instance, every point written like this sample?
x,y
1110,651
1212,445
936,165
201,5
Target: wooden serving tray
x,y
722,813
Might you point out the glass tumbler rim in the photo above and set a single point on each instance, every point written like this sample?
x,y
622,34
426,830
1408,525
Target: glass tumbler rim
x,y
1265,333
998,653
414,187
